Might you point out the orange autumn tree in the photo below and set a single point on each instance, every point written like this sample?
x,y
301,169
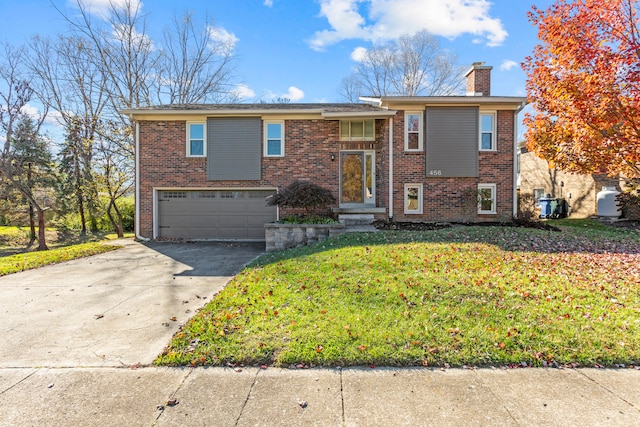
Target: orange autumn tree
x,y
584,85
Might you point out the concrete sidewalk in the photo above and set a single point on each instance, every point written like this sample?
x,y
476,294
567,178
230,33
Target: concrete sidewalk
x,y
318,397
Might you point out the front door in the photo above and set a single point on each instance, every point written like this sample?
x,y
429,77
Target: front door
x,y
357,184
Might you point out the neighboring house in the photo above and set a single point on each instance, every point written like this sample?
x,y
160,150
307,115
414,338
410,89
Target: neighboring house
x,y
203,171
537,180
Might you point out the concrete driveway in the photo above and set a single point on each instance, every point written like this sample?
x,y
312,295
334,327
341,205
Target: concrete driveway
x,y
114,309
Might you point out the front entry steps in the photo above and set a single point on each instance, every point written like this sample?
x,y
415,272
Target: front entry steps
x,y
357,223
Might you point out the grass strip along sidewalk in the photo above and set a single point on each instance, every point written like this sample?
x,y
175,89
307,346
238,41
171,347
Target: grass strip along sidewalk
x,y
456,296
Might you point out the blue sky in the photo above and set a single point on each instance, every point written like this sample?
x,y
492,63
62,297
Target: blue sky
x,y
301,49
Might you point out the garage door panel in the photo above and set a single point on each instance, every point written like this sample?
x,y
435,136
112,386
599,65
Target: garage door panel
x,y
214,214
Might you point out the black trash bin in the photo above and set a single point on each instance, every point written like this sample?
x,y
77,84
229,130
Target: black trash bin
x,y
559,208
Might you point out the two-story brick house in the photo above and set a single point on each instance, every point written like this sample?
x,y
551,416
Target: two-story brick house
x,y
204,171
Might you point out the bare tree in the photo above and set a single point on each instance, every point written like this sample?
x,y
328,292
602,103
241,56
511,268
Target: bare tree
x,y
350,88
107,62
14,98
120,47
72,83
191,64
196,64
412,65
115,172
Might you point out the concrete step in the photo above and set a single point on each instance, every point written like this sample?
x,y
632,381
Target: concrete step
x,y
355,219
360,229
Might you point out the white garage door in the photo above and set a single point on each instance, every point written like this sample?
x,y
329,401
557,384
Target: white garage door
x,y
219,214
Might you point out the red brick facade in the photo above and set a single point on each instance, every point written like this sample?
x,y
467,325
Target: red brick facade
x,y
452,199
479,80
312,149
309,147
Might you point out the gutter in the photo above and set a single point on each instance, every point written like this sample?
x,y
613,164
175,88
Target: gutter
x,y
515,158
327,115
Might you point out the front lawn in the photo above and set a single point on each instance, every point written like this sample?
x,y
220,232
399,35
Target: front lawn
x,y
461,295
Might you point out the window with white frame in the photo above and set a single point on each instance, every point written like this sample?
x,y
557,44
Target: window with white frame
x,y
413,198
487,132
486,198
537,194
274,138
357,130
413,131
196,141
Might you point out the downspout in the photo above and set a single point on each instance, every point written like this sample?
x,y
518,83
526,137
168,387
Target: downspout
x,y
515,160
390,168
137,182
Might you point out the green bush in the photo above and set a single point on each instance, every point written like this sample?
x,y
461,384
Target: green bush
x,y
297,219
71,221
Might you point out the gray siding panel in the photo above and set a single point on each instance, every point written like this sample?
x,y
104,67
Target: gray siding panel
x,y
233,148
452,142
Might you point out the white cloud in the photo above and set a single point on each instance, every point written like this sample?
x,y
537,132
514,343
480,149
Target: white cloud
x,y
101,8
268,3
508,64
388,19
358,54
221,35
54,118
31,111
294,94
243,91
124,33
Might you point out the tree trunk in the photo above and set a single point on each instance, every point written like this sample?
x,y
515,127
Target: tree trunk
x,y
32,222
42,243
119,215
32,225
111,219
83,220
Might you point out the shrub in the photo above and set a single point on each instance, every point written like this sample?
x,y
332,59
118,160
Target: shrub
x,y
630,201
526,207
304,195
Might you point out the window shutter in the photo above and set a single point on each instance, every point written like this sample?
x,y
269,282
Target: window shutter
x,y
452,142
233,148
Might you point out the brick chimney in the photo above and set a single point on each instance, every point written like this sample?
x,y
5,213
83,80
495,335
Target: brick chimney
x,y
479,80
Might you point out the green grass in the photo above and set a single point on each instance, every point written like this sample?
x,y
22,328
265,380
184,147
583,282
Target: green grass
x,y
463,295
25,261
17,255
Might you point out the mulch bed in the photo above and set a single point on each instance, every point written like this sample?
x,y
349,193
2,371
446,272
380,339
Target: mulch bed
x,y
629,225
426,226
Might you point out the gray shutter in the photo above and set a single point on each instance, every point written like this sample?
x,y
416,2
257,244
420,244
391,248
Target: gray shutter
x,y
233,148
452,142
